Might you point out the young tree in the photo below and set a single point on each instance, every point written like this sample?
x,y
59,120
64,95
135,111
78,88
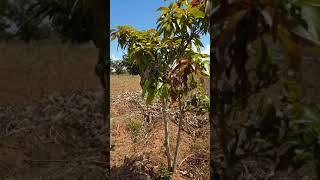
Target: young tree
x,y
168,65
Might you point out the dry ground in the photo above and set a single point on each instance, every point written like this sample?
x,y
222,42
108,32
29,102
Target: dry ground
x,y
29,71
121,84
50,121
141,153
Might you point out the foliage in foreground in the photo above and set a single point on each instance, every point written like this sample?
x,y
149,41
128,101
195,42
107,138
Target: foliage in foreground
x,y
244,65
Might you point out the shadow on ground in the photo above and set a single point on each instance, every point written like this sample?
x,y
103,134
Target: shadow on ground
x,y
137,168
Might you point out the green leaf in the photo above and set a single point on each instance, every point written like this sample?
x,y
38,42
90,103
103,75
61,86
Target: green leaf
x,y
197,13
179,12
151,95
163,9
311,14
164,91
198,43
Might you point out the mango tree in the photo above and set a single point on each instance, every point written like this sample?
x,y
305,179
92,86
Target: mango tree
x,y
169,59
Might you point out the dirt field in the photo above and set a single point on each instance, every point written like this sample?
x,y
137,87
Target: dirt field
x,y
50,120
30,71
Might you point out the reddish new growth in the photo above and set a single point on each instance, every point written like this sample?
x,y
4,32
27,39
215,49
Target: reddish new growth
x,y
195,2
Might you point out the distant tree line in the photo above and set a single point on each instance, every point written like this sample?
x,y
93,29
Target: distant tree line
x,y
124,66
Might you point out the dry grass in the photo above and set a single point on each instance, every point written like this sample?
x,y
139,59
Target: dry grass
x,y
28,71
120,84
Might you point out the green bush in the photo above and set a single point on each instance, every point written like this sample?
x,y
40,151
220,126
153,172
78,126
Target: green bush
x,y
163,174
134,126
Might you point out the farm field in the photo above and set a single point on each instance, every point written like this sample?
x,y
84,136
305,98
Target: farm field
x,y
50,120
29,71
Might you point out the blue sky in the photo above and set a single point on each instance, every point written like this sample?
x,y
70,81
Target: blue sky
x,y
140,14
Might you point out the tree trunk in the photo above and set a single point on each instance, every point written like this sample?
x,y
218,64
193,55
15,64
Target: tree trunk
x,y
166,133
102,70
178,136
218,124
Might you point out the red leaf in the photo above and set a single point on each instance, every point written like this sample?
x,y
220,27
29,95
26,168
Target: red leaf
x,y
195,2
